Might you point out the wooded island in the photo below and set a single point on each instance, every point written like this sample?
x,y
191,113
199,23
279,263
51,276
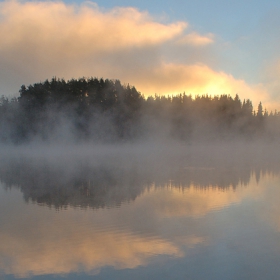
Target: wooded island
x,y
101,110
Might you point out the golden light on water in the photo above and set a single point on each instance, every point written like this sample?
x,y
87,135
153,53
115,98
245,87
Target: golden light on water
x,y
76,240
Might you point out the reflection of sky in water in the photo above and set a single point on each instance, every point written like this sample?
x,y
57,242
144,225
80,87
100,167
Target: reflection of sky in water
x,y
165,233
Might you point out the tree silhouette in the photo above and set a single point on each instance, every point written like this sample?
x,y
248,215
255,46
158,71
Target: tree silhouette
x,y
260,111
106,110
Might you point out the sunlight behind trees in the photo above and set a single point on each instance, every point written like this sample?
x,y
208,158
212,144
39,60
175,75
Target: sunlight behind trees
x,y
101,110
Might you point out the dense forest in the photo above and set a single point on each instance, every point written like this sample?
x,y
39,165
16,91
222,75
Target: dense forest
x,y
99,110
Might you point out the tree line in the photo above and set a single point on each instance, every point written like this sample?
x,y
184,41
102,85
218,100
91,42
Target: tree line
x,y
107,111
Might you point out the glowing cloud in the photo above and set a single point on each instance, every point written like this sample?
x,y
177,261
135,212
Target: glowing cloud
x,y
40,40
196,80
76,31
196,39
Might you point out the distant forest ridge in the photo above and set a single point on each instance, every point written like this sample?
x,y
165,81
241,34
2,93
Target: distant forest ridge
x,y
105,110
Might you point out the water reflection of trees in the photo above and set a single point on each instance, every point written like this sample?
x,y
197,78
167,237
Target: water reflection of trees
x,y
86,182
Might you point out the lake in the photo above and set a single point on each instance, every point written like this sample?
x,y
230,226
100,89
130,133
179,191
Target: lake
x,y
140,212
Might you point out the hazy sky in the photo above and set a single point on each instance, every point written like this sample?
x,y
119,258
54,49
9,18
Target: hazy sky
x,y
161,47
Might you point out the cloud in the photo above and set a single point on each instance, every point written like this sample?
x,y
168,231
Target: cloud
x,y
44,39
196,39
40,40
80,30
270,76
196,79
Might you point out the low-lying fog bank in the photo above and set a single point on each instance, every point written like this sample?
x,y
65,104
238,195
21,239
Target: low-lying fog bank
x,y
106,175
105,111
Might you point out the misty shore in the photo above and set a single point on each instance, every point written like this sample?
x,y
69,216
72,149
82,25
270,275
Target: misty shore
x,y
98,111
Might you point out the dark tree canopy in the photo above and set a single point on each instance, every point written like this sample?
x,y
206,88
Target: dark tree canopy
x,y
105,110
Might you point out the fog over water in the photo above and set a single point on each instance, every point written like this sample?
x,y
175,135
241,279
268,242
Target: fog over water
x,y
107,175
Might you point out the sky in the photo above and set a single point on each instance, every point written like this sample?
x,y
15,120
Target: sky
x,y
160,47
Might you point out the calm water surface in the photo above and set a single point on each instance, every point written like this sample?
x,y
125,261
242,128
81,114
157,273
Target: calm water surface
x,y
219,221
